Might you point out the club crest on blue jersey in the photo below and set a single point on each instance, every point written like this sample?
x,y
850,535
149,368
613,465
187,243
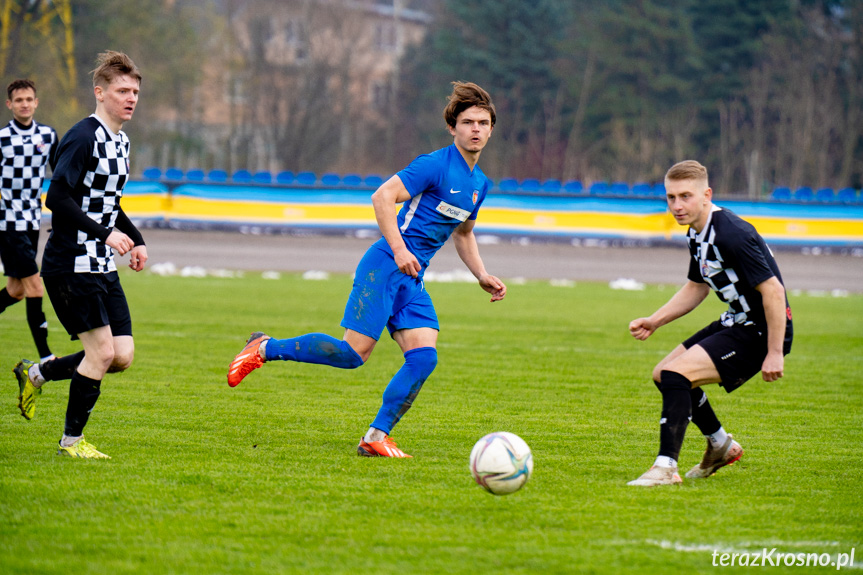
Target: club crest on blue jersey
x,y
475,196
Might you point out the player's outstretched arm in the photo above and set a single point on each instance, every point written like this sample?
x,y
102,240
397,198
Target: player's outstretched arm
x,y
775,312
684,301
468,251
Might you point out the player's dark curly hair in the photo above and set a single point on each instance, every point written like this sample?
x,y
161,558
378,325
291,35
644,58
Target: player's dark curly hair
x,y
22,84
111,65
466,95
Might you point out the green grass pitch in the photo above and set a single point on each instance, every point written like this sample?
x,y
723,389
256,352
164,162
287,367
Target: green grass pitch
x,y
264,478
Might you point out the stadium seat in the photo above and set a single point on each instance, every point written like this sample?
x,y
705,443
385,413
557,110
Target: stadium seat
x,y
598,189
781,194
241,177
508,185
573,187
619,189
803,194
551,186
847,195
307,178
152,173
217,176
373,181
825,195
658,190
262,178
173,174
195,175
642,190
331,179
529,185
285,177
352,180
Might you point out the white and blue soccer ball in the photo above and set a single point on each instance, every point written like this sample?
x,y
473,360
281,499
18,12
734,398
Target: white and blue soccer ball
x,y
501,462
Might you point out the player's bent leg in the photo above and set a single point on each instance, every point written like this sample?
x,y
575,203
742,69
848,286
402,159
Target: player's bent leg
x,y
674,354
316,348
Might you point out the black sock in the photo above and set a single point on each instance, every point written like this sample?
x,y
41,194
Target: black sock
x,y
702,413
6,300
38,325
83,393
676,411
62,367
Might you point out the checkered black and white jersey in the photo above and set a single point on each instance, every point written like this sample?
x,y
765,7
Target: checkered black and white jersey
x,y
25,154
93,163
732,258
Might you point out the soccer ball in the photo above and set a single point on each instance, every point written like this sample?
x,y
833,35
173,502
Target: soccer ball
x,y
501,462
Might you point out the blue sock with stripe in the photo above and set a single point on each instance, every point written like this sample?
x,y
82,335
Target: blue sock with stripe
x,y
318,348
404,387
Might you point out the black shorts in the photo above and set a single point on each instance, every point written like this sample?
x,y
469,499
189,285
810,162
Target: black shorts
x,y
18,253
738,352
87,301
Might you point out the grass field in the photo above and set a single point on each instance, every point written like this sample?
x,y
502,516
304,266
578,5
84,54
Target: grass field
x,y
264,478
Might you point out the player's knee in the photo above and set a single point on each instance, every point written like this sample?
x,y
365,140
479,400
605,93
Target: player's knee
x,y
673,380
15,291
349,359
121,362
423,360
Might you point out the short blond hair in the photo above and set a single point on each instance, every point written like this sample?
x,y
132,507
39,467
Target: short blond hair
x,y
686,170
112,65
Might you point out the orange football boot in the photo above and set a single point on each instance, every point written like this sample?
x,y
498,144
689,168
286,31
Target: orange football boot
x,y
385,448
247,360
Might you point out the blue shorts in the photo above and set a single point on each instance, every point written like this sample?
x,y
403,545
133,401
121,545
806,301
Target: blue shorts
x,y
383,296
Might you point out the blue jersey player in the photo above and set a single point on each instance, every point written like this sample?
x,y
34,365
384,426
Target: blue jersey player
x,y
441,195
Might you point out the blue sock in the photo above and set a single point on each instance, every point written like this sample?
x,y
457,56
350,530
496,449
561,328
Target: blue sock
x,y
404,387
317,348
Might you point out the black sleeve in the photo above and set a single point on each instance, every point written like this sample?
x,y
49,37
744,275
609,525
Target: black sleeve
x,y
694,274
65,213
52,155
125,225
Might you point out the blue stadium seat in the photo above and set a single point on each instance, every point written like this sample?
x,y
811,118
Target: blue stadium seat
x,y
598,189
825,195
529,185
642,190
573,187
804,194
658,190
847,195
331,179
262,178
620,189
373,181
152,173
173,174
352,180
508,185
241,177
551,186
217,176
307,178
195,175
781,194
285,177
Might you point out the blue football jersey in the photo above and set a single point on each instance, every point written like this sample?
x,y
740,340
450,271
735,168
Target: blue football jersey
x,y
444,193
